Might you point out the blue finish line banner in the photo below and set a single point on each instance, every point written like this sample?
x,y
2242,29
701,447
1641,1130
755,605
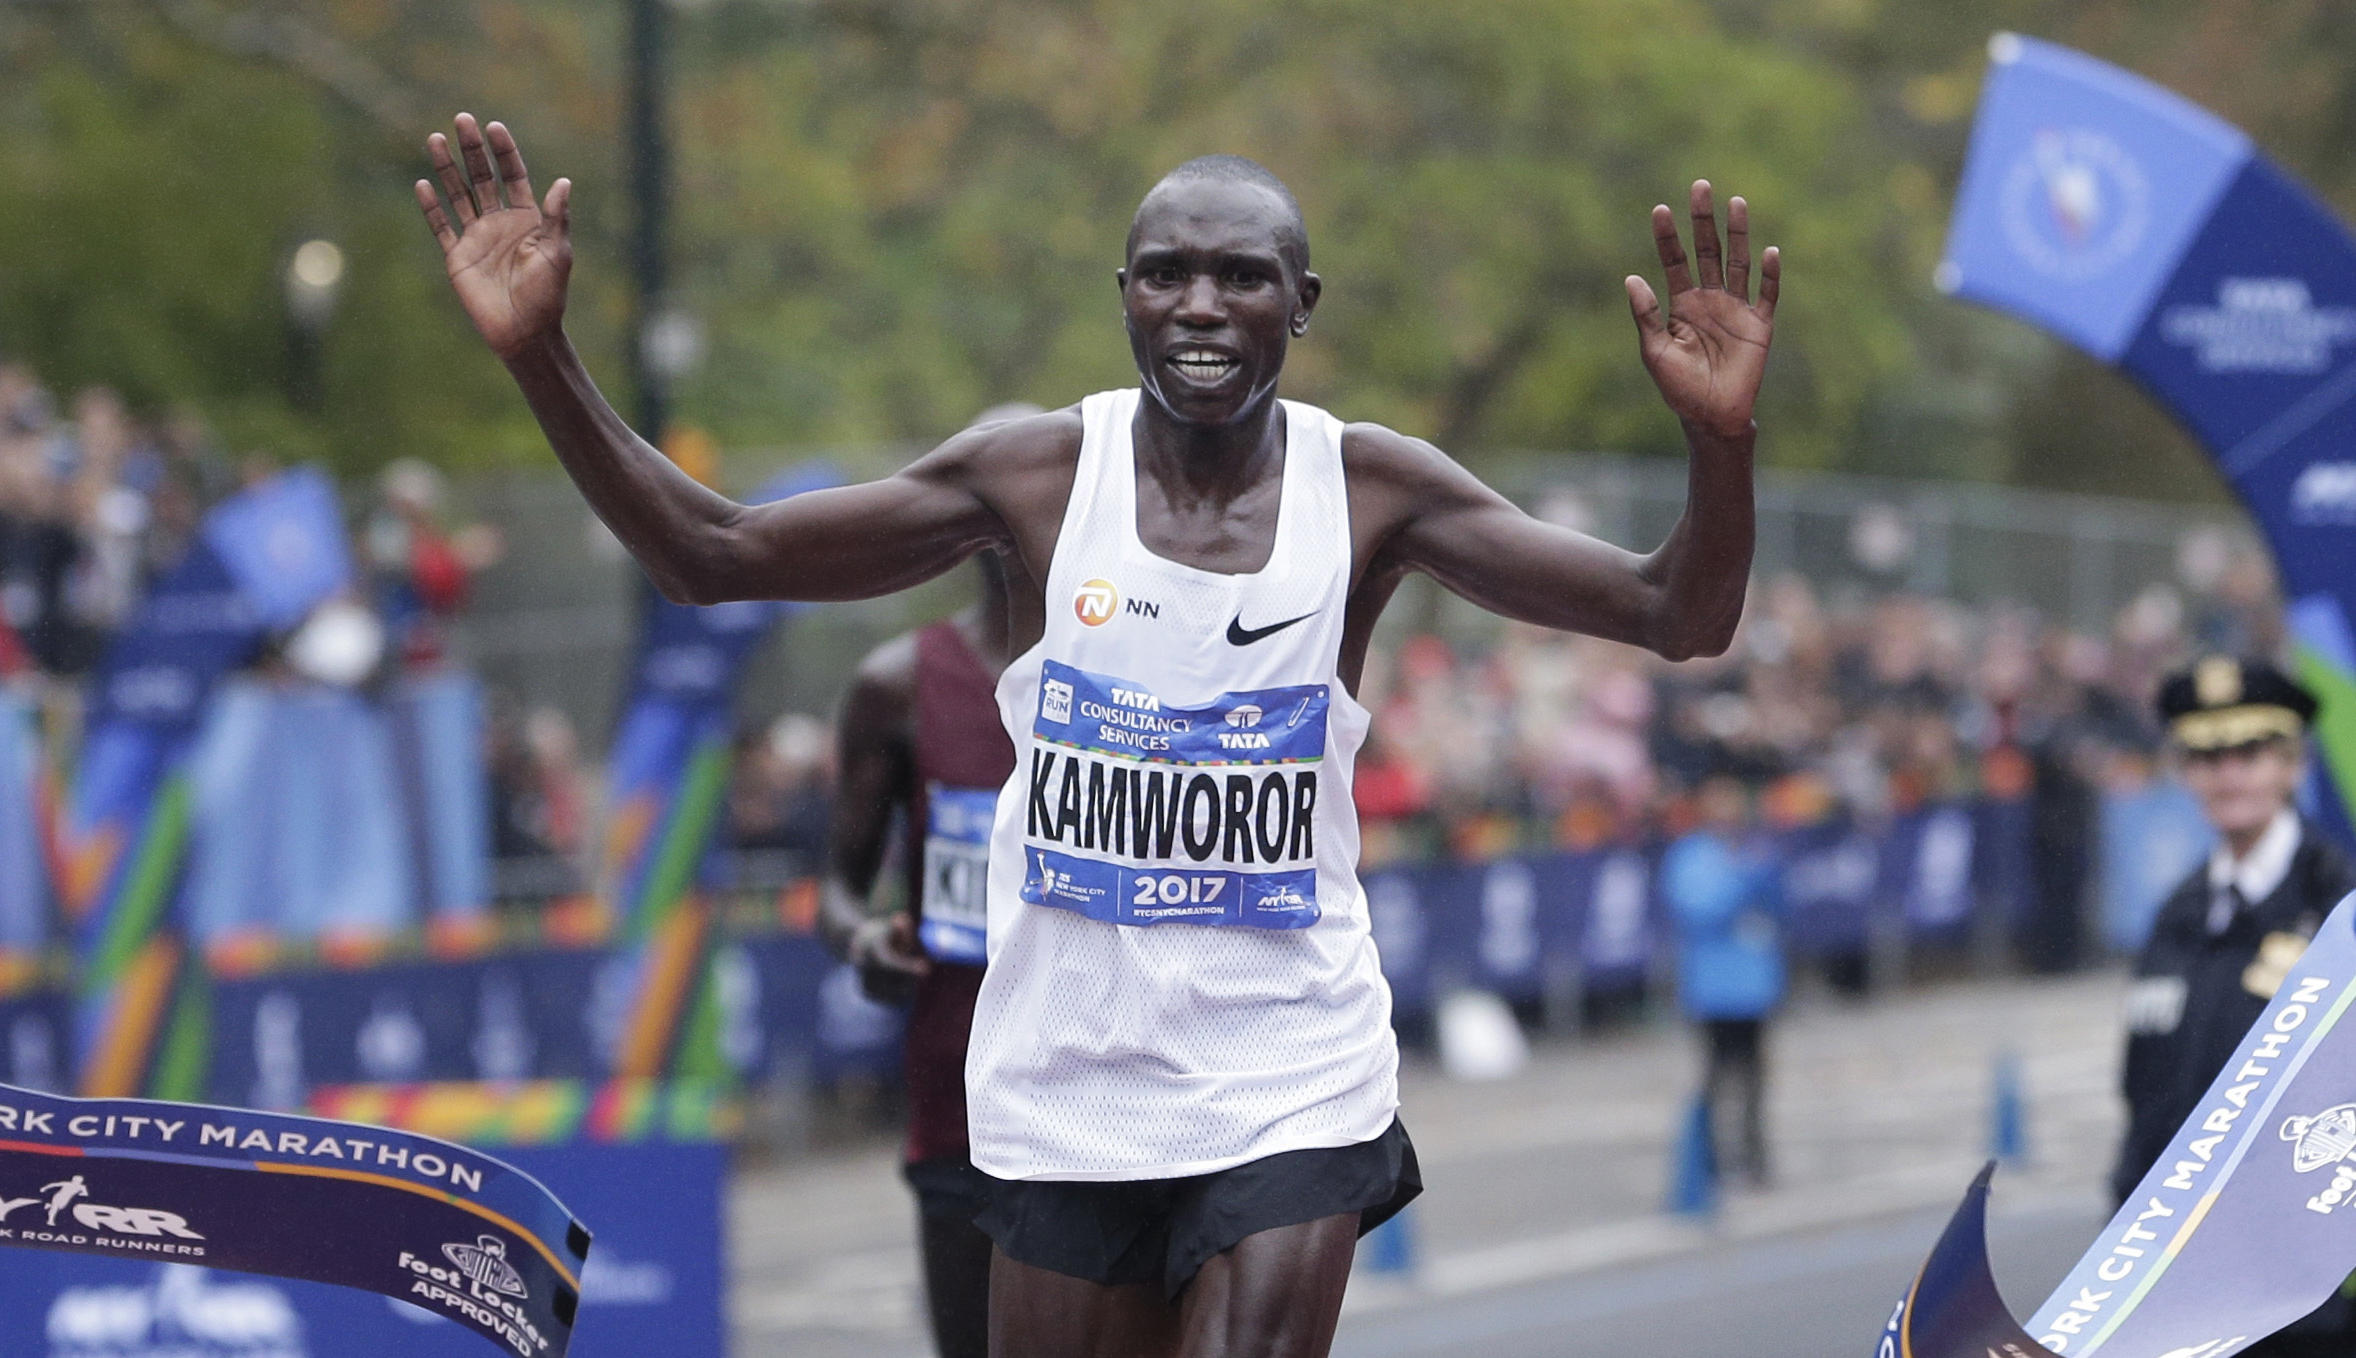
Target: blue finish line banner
x,y
2246,1223
652,1287
2150,233
439,1226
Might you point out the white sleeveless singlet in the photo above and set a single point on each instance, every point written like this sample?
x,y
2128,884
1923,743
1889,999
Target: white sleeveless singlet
x,y
1181,977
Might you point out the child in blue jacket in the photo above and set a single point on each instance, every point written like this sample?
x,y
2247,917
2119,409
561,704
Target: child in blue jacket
x,y
1724,896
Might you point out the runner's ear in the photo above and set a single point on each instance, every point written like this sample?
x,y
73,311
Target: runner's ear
x,y
1312,287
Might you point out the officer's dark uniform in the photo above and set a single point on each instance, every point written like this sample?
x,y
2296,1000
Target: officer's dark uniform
x,y
2211,966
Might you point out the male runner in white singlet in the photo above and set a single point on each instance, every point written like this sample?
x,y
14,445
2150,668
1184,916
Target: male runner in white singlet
x,y
1182,1069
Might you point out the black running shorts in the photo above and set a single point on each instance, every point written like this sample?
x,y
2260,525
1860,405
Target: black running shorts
x,y
1163,1231
949,1187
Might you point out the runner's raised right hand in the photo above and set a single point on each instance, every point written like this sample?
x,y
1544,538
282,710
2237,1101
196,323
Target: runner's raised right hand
x,y
508,257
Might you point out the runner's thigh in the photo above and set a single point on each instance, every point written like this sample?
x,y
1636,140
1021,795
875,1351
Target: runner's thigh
x,y
1276,1294
1039,1313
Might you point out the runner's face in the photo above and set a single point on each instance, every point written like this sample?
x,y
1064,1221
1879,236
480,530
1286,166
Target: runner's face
x,y
1212,302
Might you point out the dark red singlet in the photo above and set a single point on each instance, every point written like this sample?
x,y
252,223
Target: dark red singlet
x,y
959,743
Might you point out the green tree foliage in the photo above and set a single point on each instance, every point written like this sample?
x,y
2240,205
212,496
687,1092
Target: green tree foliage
x,y
163,163
891,213
935,225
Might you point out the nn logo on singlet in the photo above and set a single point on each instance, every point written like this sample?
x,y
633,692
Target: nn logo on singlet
x,y
1099,600
1096,603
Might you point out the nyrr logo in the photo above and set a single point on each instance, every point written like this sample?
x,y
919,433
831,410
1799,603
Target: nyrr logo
x,y
1096,603
1285,897
2320,1142
62,1198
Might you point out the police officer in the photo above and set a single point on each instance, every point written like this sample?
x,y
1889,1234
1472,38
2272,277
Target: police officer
x,y
2224,941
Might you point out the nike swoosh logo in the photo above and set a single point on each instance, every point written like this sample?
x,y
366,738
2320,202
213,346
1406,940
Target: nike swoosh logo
x,y
1239,635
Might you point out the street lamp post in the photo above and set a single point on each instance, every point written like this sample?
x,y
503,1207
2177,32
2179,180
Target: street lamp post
x,y
314,279
650,189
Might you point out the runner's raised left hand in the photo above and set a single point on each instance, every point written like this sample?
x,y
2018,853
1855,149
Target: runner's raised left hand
x,y
508,257
1708,352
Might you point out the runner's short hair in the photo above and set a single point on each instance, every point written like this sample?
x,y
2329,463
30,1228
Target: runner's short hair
x,y
1293,234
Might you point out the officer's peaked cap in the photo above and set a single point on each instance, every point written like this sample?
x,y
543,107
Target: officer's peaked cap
x,y
2220,702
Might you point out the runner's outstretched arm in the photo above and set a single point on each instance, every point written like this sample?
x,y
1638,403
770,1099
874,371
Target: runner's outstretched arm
x,y
1707,356
509,257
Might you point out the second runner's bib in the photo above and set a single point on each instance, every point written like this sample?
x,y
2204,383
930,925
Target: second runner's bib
x,y
956,861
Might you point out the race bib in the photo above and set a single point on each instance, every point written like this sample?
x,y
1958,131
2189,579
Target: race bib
x,y
956,871
1138,812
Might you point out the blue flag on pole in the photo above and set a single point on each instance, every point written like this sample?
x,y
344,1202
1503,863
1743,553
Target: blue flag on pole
x,y
283,543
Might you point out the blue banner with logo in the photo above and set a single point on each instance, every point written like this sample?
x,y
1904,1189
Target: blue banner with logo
x,y
1519,926
2151,234
2243,1225
1833,883
782,1010
438,1226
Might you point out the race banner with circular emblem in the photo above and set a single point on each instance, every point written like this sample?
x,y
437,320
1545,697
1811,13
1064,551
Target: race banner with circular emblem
x,y
2159,239
436,1225
2155,236
2246,1223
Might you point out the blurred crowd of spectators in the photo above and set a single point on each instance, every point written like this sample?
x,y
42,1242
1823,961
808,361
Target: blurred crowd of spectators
x,y
1828,703
92,503
1831,703
95,502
